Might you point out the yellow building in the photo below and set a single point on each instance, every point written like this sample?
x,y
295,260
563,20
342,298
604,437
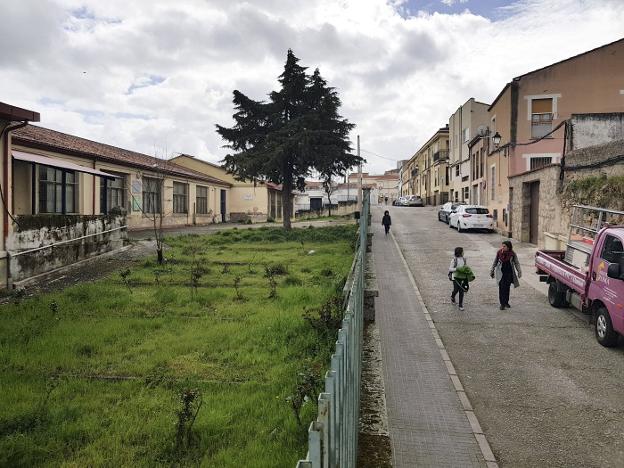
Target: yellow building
x,y
248,201
430,174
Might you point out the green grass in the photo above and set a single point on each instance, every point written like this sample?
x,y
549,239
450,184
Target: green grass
x,y
92,375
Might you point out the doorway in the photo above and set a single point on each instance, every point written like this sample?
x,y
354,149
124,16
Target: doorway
x,y
534,212
223,205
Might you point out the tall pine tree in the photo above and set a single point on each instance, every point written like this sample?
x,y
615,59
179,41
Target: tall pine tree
x,y
298,131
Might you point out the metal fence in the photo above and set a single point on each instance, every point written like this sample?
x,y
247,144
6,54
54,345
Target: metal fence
x,y
333,437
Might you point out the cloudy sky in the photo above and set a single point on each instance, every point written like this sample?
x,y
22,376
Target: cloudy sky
x,y
156,75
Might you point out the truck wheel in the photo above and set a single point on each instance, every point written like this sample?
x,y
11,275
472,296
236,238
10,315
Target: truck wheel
x,y
556,298
605,334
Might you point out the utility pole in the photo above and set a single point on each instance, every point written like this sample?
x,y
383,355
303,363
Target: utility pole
x,y
359,199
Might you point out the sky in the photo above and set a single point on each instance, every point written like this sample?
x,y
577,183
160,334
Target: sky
x,y
155,76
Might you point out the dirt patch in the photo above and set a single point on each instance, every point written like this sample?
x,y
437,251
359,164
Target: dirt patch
x,y
374,443
89,270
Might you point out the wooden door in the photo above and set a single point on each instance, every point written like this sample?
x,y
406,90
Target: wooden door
x,y
534,216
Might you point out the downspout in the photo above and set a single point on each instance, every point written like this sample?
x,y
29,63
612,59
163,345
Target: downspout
x,y
5,184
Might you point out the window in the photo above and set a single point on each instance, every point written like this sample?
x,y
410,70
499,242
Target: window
x,y
466,191
465,135
613,252
541,117
113,193
478,211
202,200
493,182
537,163
152,195
457,171
58,190
180,197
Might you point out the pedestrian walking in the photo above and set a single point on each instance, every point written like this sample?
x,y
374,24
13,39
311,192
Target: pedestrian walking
x,y
460,285
386,221
506,270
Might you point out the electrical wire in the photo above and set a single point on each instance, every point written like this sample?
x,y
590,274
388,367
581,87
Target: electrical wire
x,y
379,155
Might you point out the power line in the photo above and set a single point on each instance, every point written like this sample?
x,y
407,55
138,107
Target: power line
x,y
379,155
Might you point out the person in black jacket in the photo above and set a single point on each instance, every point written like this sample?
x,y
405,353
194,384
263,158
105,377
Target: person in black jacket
x,y
386,221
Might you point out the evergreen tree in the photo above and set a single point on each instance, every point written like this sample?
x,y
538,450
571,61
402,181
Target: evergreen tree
x,y
284,140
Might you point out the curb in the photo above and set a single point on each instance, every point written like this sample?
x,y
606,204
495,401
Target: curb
x,y
484,445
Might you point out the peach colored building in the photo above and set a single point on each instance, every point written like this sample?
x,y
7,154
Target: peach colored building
x,y
529,114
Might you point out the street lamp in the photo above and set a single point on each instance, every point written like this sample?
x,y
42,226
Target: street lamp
x,y
496,139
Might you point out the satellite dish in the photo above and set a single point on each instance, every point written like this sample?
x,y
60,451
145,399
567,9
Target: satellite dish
x,y
482,130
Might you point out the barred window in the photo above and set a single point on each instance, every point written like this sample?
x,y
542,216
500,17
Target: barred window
x,y
180,197
202,200
537,163
152,190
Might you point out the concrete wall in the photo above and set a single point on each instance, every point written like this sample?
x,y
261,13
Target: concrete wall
x,y
595,129
338,209
39,231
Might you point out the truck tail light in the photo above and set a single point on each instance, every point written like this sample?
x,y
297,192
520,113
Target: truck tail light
x,y
489,216
466,216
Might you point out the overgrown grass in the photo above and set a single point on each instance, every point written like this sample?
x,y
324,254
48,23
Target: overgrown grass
x,y
97,374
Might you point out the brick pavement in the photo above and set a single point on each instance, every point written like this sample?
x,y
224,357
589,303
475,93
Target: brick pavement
x,y
430,419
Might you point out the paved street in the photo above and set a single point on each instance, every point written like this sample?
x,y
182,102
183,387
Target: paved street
x,y
544,392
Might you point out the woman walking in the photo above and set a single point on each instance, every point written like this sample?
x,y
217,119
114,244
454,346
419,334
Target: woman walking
x,y
386,221
506,270
458,261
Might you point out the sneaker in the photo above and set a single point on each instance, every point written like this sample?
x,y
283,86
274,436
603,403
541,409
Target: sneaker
x,y
461,308
452,299
502,307
508,306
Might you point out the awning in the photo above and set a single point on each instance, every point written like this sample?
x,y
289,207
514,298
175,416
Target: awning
x,y
59,163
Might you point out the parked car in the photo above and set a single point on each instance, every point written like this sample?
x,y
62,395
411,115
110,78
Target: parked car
x,y
594,286
471,217
398,201
445,211
414,200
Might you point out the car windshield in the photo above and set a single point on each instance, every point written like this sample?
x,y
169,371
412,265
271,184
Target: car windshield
x,y
477,210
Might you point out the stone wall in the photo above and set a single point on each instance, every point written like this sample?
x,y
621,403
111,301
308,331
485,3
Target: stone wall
x,y
549,218
33,232
595,129
604,163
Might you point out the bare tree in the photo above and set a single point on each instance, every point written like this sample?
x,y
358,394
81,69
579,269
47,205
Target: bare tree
x,y
329,190
151,203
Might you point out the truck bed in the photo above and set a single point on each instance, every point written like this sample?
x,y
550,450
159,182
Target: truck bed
x,y
551,262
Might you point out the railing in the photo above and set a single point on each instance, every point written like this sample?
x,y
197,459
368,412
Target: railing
x,y
440,155
333,437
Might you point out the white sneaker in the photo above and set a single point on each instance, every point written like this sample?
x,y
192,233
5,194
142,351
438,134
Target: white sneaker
x,y
461,308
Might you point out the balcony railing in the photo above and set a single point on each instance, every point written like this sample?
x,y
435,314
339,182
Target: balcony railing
x,y
441,155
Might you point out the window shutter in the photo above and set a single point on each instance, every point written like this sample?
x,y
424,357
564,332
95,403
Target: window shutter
x,y
541,106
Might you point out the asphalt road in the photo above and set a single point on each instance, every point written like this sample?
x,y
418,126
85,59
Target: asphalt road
x,y
546,393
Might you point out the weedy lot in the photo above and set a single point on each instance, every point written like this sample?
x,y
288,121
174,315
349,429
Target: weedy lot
x,y
206,360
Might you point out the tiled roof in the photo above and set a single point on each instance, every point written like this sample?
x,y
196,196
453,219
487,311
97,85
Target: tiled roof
x,y
44,138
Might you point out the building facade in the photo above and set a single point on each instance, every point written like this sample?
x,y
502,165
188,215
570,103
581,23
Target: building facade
x,y
429,171
467,122
529,115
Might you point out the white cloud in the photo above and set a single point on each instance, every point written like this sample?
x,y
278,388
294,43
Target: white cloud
x,y
155,74
453,2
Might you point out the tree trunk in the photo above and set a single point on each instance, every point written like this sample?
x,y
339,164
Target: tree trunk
x,y
329,200
159,253
286,204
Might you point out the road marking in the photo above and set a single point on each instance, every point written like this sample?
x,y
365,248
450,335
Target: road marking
x,y
484,445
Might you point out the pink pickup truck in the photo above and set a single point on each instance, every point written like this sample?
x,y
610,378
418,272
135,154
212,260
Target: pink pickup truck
x,y
596,286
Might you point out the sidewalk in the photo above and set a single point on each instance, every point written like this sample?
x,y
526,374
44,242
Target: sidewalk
x,y
430,419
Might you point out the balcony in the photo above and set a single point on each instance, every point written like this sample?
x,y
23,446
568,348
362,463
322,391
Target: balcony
x,y
441,155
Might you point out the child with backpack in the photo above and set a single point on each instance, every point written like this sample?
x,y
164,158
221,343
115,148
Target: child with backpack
x,y
460,274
